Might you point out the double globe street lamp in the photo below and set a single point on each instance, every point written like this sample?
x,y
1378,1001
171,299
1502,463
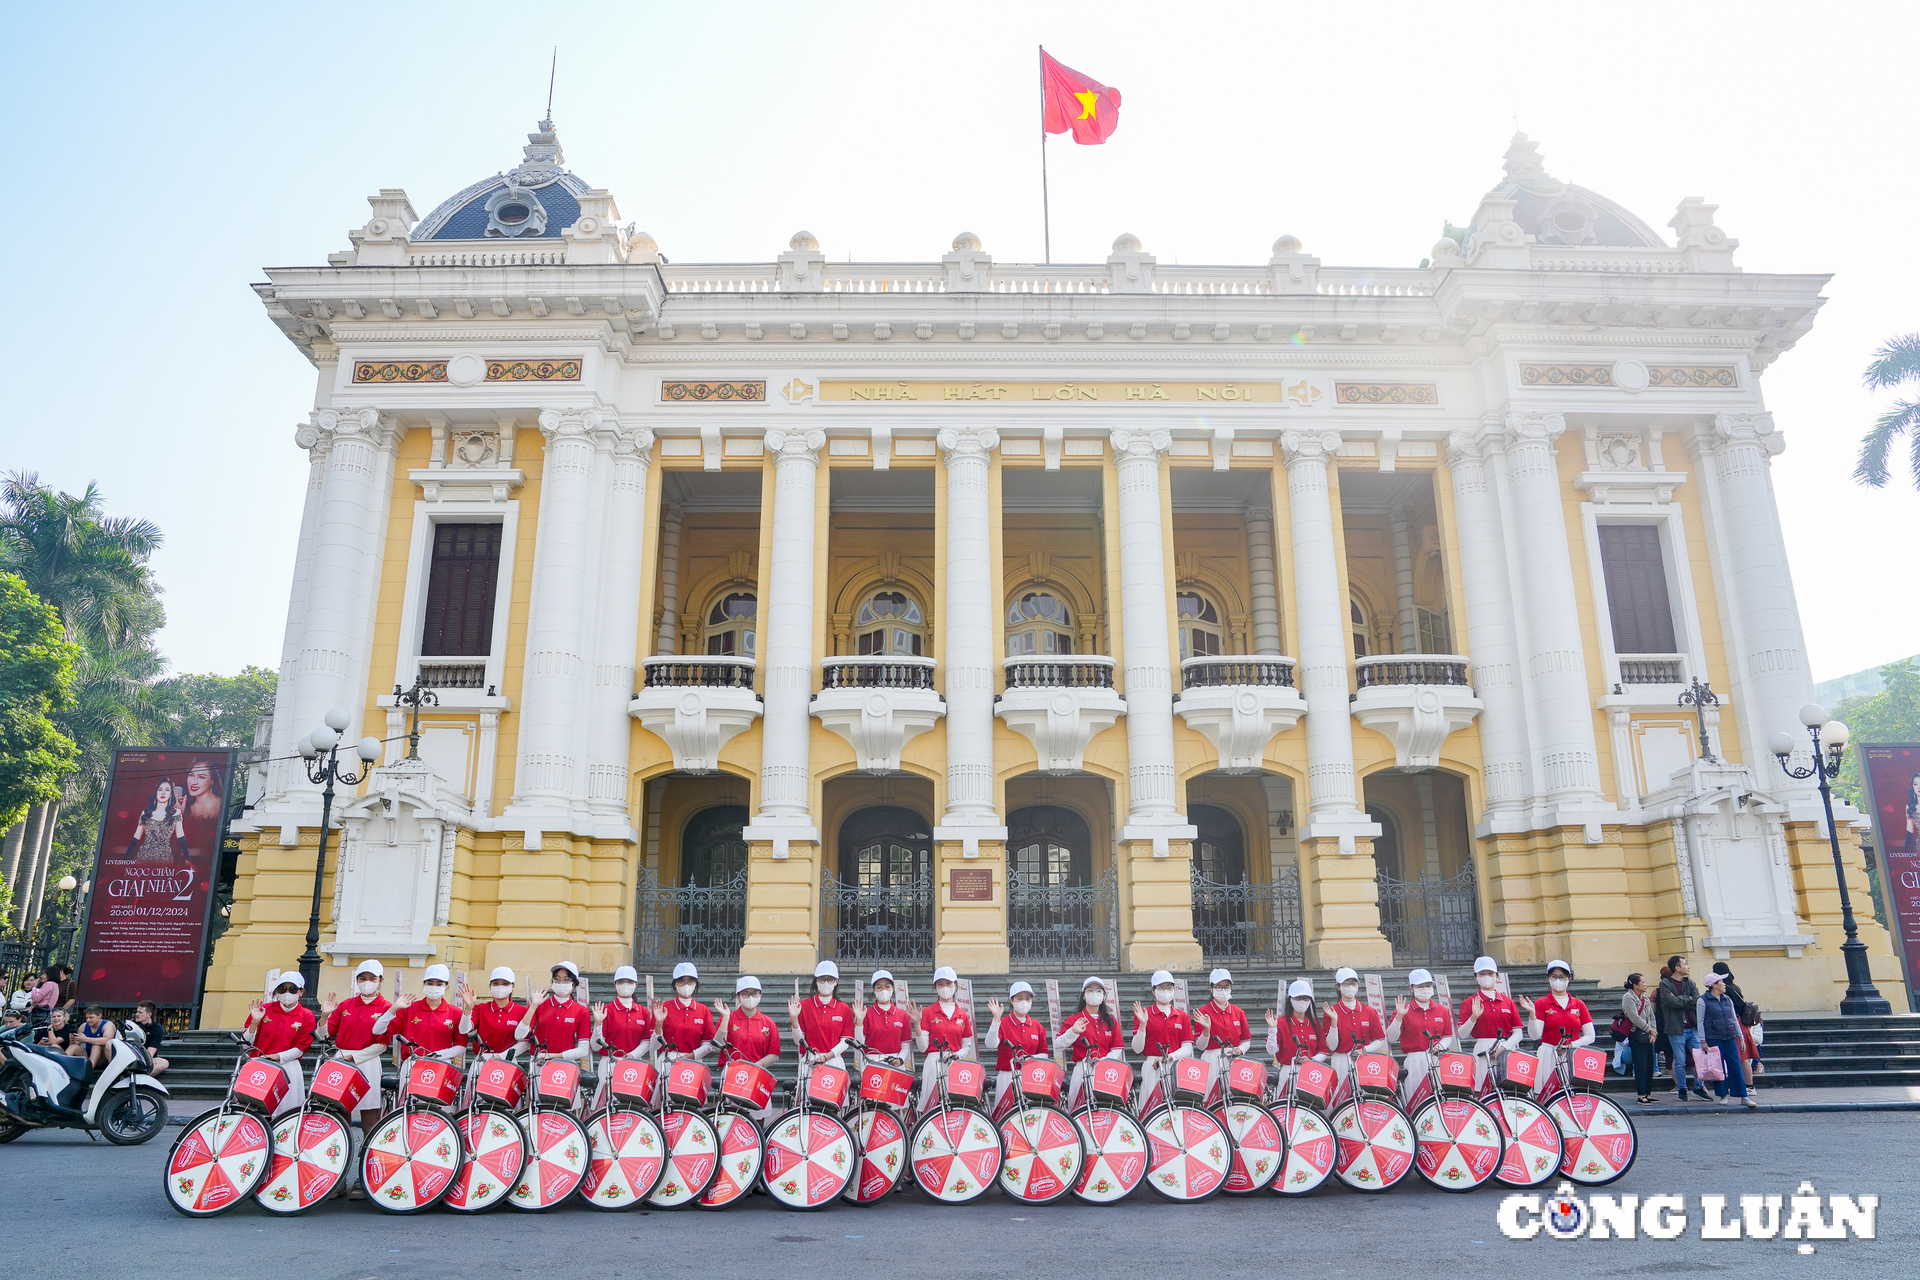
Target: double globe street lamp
x,y
321,751
1829,748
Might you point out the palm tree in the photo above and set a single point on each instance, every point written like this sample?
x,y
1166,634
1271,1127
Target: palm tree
x,y
91,567
1895,364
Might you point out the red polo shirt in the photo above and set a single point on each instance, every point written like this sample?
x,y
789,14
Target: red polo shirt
x,y
626,1027
496,1024
1417,1023
946,1032
1359,1026
1299,1036
686,1026
1020,1035
1100,1037
1556,1022
1499,1016
351,1025
1229,1027
1166,1032
281,1029
560,1025
884,1029
432,1029
750,1037
823,1024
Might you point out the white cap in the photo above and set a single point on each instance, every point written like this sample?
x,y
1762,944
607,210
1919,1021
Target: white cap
x,y
290,975
626,973
1219,976
1094,982
1485,964
1018,987
503,974
826,969
437,973
1161,976
1419,978
1559,964
570,967
880,975
685,969
945,973
372,967
1711,979
1300,987
1344,975
745,982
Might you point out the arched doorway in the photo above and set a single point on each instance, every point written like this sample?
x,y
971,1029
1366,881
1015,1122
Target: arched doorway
x,y
713,851
1057,914
1423,867
701,914
1220,890
879,907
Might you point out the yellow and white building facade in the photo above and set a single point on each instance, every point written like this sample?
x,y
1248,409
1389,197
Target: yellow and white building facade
x,y
1022,617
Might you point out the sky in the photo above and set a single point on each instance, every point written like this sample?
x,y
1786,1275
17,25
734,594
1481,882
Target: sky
x,y
167,155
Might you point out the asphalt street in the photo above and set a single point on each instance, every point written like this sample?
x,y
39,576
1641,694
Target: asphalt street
x,y
88,1200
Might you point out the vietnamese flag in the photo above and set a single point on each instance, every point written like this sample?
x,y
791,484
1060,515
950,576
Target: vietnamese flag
x,y
1076,104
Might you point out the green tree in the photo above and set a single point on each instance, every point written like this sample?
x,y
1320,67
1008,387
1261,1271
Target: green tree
x,y
1894,365
36,681
211,710
1892,715
91,567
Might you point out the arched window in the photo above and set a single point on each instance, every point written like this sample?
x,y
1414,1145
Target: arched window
x,y
1038,622
1049,847
885,846
889,623
1386,845
1199,625
1221,851
712,850
1359,629
732,624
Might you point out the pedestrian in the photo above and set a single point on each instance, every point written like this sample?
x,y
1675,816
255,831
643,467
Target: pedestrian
x,y
747,1035
1719,1025
1493,1020
1749,1019
1559,1021
1679,999
884,1032
1014,1035
147,1015
822,1025
1642,1030
1220,1032
282,1031
1091,1034
1163,1034
945,1029
350,1025
1353,1026
44,998
1300,1035
495,1022
1424,1027
95,1036
57,1036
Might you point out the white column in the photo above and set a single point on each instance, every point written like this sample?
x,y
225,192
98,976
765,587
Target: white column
x,y
1146,643
1333,807
554,692
967,630
1554,659
1403,584
318,445
667,643
610,728
787,652
1263,579
1766,651
1489,639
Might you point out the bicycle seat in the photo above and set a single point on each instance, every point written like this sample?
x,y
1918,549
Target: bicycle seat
x,y
389,1081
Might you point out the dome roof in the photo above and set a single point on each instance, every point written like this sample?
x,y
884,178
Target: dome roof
x,y
1556,212
533,201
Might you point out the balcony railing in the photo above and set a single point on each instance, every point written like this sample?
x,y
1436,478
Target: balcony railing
x,y
454,673
1067,671
1651,668
1413,668
698,671
1260,669
892,672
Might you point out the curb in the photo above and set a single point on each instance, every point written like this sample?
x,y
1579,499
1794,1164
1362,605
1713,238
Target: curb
x,y
1714,1109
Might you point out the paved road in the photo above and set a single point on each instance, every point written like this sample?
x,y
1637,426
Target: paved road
x,y
104,1204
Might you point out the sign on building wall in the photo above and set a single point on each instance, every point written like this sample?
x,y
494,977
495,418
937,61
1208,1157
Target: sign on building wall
x,y
1892,774
153,874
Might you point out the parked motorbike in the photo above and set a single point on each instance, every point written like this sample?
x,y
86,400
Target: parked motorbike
x,y
41,1089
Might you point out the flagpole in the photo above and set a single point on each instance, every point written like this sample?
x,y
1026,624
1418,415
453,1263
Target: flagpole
x,y
1046,215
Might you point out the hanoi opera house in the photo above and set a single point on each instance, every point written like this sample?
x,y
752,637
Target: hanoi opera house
x,y
1043,619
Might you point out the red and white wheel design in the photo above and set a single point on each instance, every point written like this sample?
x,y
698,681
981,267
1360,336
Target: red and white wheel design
x,y
693,1154
311,1153
1534,1147
741,1154
558,1154
1116,1155
628,1153
810,1159
409,1161
1188,1153
1311,1150
1259,1148
881,1138
1044,1155
496,1155
1376,1145
1457,1143
1600,1139
956,1154
218,1161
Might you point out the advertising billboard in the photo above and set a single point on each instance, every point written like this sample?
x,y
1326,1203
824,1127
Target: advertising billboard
x,y
153,874
1891,771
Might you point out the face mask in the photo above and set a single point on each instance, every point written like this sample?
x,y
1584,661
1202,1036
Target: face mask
x,y
685,990
1488,981
1021,1006
883,996
433,990
563,989
1163,995
367,988
749,1003
944,991
1423,993
1095,999
1300,1006
624,989
1223,994
288,999
1348,990
825,986
501,990
1558,984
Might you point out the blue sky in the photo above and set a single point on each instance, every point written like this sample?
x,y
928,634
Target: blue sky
x,y
165,156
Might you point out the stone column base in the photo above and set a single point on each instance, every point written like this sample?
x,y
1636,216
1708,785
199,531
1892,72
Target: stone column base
x,y
1157,897
970,935
783,910
1341,905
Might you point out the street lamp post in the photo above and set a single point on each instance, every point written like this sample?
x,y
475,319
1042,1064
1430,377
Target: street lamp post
x,y
1829,747
75,891
321,751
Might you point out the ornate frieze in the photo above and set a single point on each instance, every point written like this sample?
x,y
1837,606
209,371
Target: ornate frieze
x,y
1375,393
387,372
706,392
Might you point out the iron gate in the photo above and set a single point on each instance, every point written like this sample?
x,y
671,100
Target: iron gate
x,y
1249,921
691,921
1431,922
1064,926
876,923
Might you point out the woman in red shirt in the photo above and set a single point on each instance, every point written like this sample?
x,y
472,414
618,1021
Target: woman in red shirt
x,y
1014,1035
746,1034
1557,1020
623,1027
1092,1033
946,1032
494,1022
1162,1033
1221,1032
351,1028
1423,1027
883,1032
1490,1023
283,1032
1296,1036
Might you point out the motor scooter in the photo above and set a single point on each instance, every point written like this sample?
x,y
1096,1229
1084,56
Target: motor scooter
x,y
41,1089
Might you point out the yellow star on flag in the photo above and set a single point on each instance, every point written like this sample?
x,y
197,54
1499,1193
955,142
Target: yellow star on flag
x,y
1089,105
